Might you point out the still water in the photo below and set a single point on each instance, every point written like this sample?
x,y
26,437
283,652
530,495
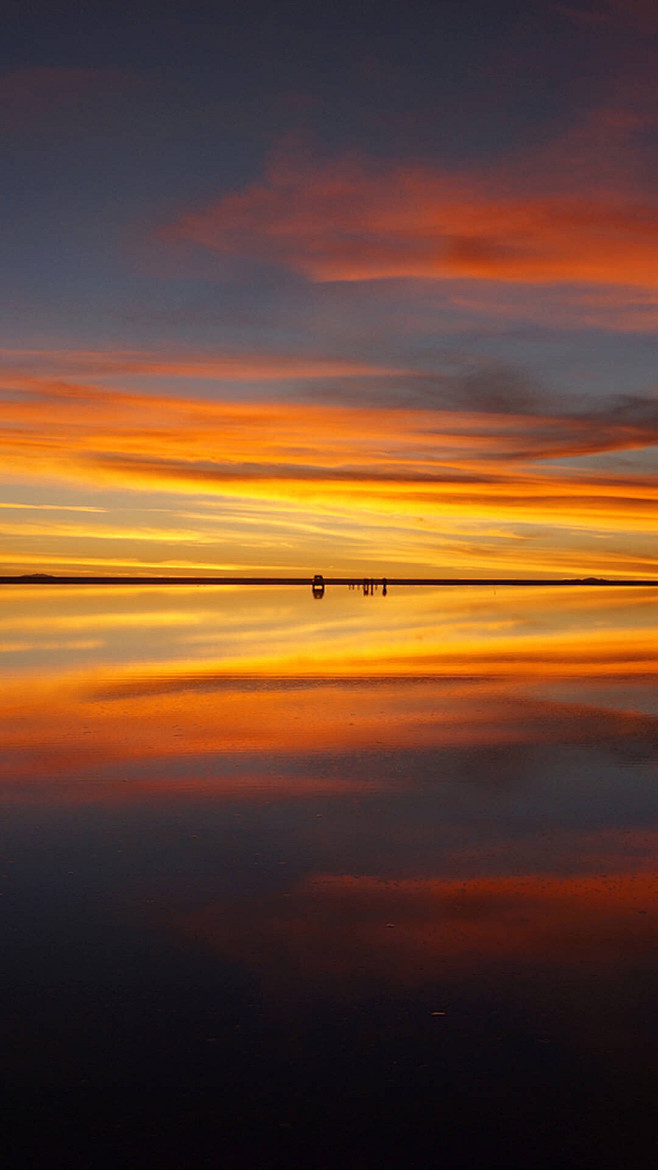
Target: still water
x,y
357,883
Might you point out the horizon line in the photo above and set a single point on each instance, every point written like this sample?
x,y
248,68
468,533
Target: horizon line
x,y
357,580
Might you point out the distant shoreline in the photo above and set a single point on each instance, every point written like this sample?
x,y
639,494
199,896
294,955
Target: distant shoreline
x,y
358,582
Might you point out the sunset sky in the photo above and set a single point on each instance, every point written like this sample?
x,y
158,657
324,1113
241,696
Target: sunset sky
x,y
366,288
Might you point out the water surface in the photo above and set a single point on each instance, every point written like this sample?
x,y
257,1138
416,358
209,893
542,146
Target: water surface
x,y
357,882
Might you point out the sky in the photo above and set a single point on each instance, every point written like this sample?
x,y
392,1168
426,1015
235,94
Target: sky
x,y
364,288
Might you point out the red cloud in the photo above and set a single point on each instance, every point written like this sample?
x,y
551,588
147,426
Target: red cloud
x,y
575,212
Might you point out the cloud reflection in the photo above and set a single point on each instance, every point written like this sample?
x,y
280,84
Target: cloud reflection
x,y
419,796
420,672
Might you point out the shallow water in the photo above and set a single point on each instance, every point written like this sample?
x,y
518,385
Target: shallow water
x,y
355,882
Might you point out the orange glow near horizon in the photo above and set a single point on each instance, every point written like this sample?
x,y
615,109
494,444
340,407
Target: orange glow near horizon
x,y
295,482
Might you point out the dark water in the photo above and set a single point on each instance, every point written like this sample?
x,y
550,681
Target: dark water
x,y
358,882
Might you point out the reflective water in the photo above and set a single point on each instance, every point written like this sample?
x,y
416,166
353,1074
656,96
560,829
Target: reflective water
x,y
358,882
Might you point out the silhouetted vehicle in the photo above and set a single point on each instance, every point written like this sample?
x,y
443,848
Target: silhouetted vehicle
x,y
317,585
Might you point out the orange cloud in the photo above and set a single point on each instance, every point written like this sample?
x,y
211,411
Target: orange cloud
x,y
380,460
445,482
575,211
349,222
225,367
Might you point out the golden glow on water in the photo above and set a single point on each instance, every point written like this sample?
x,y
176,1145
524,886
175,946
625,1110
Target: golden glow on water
x,y
183,675
175,632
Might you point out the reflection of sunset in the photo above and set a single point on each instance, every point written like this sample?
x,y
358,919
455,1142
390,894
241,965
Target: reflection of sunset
x,y
269,680
83,735
602,652
338,929
430,814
